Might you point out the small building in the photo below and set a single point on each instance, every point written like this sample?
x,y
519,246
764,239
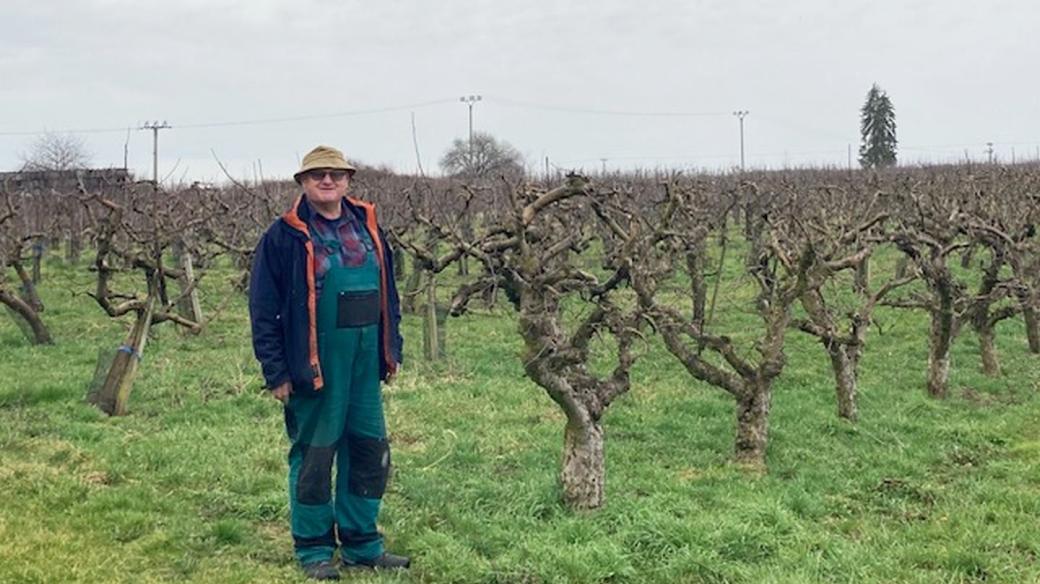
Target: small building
x,y
93,179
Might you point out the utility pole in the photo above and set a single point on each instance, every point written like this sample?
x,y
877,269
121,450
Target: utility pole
x,y
469,100
155,127
126,149
740,114
989,151
603,167
850,157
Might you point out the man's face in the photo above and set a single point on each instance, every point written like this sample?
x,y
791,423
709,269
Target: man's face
x,y
324,186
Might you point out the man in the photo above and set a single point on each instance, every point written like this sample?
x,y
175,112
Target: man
x,y
325,316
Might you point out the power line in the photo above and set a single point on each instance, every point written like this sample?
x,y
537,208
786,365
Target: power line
x,y
320,116
254,122
577,110
79,131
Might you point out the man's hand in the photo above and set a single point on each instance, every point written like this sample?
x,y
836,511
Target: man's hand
x,y
392,376
282,392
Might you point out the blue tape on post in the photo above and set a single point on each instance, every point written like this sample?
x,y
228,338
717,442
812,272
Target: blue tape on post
x,y
130,350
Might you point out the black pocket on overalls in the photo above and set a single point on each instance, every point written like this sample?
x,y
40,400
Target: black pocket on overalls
x,y
354,309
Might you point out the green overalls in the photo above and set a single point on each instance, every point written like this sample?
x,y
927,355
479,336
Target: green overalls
x,y
342,422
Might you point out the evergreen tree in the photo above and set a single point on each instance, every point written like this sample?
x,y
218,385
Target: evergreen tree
x,y
877,129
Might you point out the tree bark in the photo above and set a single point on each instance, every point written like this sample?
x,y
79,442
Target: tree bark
x,y
583,471
844,366
861,281
23,310
1029,313
988,348
29,293
753,423
940,341
490,295
698,287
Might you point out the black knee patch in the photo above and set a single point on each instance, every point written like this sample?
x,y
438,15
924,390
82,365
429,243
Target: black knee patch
x,y
355,539
314,483
369,466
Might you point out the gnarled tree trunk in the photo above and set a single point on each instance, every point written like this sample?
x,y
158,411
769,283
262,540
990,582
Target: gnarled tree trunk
x,y
861,281
940,341
23,310
753,422
29,293
695,263
583,469
1032,320
988,348
843,364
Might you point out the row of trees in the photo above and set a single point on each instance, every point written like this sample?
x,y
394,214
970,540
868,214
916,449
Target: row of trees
x,y
802,233
593,267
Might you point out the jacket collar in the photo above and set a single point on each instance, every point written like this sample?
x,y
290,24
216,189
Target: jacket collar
x,y
300,213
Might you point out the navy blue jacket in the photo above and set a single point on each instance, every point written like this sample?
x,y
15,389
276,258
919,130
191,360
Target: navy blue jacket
x,y
283,301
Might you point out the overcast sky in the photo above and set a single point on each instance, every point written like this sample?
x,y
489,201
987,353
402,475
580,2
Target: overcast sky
x,y
558,79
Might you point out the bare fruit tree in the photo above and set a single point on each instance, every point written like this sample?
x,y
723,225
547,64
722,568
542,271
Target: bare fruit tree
x,y
532,251
53,151
851,223
133,231
23,301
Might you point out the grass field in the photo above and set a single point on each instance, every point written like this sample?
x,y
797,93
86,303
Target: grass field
x,y
190,486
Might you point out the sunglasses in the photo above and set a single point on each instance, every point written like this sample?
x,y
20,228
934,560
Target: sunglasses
x,y
318,175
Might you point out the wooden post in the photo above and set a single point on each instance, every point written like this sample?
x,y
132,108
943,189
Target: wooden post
x,y
410,302
114,394
432,347
189,306
37,260
400,260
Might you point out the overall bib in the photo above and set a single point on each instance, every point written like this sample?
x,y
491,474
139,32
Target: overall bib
x,y
343,423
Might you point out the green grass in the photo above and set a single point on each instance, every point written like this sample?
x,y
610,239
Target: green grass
x,y
190,486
